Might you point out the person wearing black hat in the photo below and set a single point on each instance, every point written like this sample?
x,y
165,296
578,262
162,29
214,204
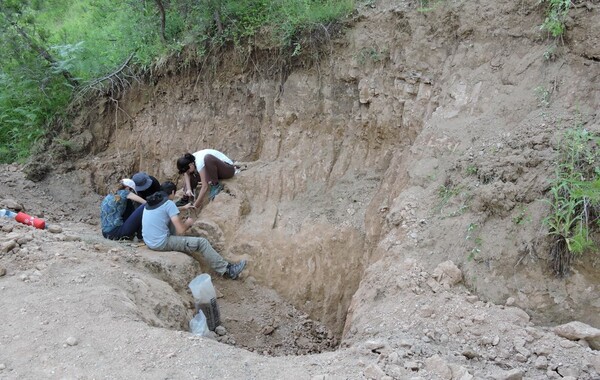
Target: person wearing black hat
x,y
164,230
145,184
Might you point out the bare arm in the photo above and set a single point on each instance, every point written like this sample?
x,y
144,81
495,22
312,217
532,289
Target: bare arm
x,y
188,187
136,198
181,226
203,189
188,206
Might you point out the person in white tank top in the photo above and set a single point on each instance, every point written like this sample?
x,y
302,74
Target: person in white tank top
x,y
206,167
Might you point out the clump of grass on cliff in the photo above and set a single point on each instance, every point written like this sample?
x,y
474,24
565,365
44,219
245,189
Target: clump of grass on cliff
x,y
575,198
556,13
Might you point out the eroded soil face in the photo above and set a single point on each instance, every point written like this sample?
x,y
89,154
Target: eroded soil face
x,y
424,137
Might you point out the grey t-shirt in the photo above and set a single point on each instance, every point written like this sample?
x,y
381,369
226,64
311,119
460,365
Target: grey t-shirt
x,y
155,224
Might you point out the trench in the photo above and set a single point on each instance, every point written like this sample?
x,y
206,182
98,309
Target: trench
x,y
253,316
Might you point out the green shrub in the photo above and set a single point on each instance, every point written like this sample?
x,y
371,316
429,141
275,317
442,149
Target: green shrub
x,y
554,23
89,39
574,198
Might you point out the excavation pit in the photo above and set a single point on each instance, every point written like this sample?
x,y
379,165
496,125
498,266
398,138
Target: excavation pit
x,y
253,317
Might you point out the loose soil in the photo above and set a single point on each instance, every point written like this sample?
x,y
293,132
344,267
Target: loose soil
x,y
390,211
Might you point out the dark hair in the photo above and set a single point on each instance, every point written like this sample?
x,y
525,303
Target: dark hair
x,y
168,187
183,163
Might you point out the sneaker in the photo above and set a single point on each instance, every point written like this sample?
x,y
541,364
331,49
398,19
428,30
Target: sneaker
x,y
183,201
233,270
214,190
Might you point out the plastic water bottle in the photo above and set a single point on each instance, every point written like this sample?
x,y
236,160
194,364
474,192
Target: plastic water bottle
x,y
205,300
7,213
198,325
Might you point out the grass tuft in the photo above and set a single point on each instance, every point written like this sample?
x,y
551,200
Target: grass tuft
x,y
574,199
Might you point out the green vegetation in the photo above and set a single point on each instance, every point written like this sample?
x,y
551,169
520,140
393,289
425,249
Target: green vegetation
x,y
52,49
475,239
448,192
543,96
471,169
575,198
522,216
445,193
371,54
428,5
554,23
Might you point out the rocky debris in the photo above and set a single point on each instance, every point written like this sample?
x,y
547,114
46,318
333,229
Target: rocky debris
x,y
11,204
2,271
373,371
447,274
8,246
576,330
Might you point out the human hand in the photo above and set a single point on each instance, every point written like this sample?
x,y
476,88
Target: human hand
x,y
189,193
188,206
188,222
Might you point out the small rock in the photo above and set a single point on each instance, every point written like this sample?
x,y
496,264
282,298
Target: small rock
x,y
268,330
220,330
426,311
520,358
447,274
12,204
566,371
2,271
510,301
374,345
470,354
439,366
472,299
513,374
567,344
496,340
411,365
373,371
53,228
8,246
541,362
2,366
70,238
72,341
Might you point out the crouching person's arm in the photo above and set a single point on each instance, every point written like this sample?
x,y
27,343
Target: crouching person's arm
x,y
181,226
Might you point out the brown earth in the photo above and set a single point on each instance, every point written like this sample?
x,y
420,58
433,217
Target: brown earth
x,y
421,137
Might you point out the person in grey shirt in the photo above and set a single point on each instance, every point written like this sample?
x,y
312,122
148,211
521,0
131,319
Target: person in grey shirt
x,y
162,227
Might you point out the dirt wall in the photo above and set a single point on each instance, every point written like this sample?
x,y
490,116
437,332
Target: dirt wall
x,y
419,126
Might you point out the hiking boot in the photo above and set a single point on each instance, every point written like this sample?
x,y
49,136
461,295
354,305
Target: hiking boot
x,y
233,270
214,190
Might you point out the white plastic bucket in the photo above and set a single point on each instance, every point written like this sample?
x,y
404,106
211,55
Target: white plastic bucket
x,y
202,288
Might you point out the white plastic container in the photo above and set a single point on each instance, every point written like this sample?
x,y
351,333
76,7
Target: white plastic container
x,y
205,300
202,288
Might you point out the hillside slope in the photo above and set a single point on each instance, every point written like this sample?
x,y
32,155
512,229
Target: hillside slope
x,y
420,137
